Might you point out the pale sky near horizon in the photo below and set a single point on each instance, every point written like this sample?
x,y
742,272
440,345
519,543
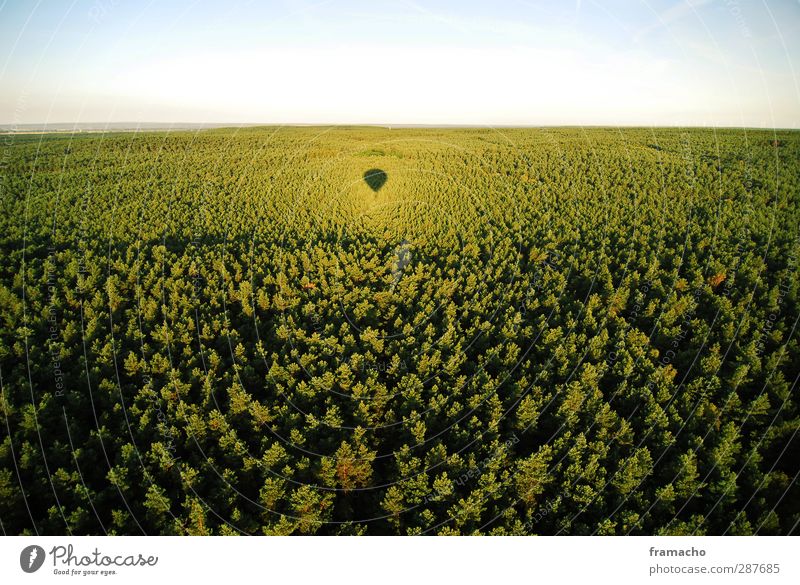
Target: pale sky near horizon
x,y
602,62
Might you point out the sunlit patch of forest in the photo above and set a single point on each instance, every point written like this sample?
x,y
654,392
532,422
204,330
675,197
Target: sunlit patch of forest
x,y
400,331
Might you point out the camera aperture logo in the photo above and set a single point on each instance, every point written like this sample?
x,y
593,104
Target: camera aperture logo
x,y
31,558
67,562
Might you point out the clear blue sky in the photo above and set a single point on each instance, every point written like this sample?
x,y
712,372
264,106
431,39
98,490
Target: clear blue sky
x,y
653,62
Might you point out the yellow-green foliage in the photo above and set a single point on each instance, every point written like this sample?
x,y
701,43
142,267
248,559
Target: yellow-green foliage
x,y
513,331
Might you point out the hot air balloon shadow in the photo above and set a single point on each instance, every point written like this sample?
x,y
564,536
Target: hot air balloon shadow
x,y
375,178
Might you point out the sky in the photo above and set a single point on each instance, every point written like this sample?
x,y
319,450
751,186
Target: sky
x,y
478,62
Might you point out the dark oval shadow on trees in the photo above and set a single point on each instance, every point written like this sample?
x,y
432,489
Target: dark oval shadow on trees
x,y
375,178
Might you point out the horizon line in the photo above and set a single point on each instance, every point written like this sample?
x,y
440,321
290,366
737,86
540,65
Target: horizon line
x,y
66,127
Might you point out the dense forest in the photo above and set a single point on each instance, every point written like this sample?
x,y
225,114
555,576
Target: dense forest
x,y
400,331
